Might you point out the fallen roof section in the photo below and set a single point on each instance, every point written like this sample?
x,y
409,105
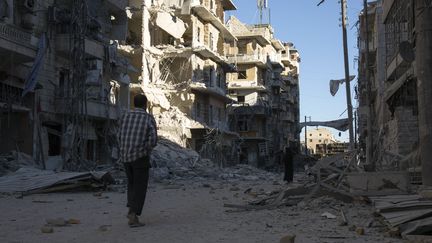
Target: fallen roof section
x,y
31,180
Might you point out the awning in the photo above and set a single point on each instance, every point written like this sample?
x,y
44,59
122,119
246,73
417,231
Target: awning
x,y
341,125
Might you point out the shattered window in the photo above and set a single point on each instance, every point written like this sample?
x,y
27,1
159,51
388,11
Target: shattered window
x,y
242,75
241,99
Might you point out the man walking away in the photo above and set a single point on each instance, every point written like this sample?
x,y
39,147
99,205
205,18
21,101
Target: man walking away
x,y
137,138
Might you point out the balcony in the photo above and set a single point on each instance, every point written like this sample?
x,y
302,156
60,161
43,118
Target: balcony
x,y
216,92
17,43
98,109
276,60
244,109
93,49
254,85
205,14
206,52
254,59
396,67
95,109
286,60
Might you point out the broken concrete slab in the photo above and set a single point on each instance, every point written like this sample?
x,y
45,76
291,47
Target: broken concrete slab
x,y
30,180
379,183
171,24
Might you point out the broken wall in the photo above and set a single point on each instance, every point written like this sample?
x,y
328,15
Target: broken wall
x,y
402,132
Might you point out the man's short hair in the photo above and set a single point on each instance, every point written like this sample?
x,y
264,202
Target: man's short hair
x,y
140,101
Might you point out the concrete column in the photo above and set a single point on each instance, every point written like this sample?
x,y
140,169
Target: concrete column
x,y
423,20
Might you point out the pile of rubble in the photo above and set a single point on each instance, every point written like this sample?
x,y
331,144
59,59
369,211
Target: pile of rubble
x,y
171,161
13,161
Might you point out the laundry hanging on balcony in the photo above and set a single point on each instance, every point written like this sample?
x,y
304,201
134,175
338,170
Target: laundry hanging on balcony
x,y
30,82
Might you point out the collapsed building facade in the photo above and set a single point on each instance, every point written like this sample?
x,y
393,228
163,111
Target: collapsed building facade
x,y
391,66
190,59
71,68
63,84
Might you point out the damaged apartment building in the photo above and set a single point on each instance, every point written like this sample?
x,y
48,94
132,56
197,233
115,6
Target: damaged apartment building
x,y
63,85
265,87
390,63
192,63
70,69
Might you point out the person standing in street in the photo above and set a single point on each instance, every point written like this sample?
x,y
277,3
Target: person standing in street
x,y
137,137
288,164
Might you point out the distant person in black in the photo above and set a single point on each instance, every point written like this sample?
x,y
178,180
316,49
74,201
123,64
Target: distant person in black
x,y
288,156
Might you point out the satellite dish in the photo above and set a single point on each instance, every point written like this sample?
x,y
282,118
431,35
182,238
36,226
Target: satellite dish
x,y
406,51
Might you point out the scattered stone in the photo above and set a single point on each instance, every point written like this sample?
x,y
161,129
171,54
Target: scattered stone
x,y
59,222
234,189
47,230
360,231
352,228
342,223
328,215
288,239
104,228
206,185
74,221
394,232
97,194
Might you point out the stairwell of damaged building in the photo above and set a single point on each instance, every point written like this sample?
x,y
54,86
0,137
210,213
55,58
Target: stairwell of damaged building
x,y
229,91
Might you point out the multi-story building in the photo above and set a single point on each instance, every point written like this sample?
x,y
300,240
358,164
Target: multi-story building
x,y
62,83
392,102
184,71
318,136
264,87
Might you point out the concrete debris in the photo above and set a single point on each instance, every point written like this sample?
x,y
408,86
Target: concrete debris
x,y
171,24
57,222
360,231
13,161
411,213
47,230
171,161
288,239
31,180
328,215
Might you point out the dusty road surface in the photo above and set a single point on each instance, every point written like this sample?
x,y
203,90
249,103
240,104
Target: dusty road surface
x,y
185,211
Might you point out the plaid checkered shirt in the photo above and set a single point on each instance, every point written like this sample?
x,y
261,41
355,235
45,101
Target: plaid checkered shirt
x,y
137,135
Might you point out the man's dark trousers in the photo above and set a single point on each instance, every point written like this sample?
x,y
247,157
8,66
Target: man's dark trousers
x,y
137,173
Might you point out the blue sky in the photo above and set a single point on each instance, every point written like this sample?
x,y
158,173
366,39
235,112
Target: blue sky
x,y
317,34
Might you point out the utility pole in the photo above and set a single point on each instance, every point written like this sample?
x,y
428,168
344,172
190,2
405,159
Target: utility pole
x,y
423,22
306,149
369,143
347,75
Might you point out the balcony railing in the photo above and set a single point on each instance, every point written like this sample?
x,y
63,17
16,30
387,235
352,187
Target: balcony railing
x,y
247,58
14,34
